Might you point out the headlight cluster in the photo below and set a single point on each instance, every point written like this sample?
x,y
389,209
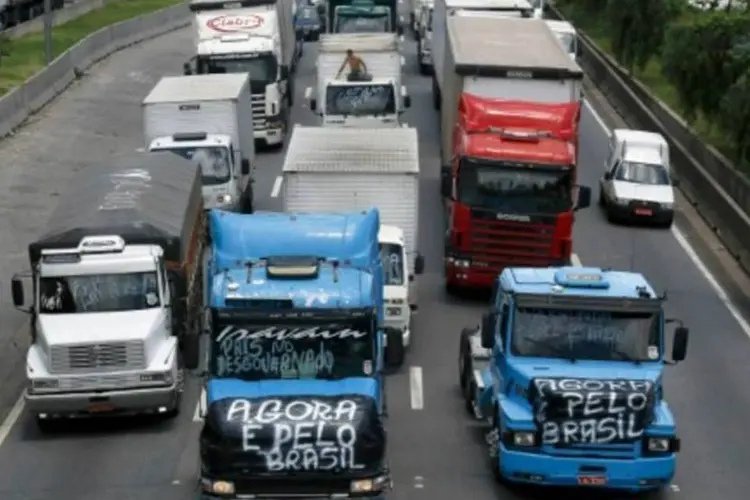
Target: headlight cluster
x,y
380,483
465,263
522,439
224,199
157,378
660,445
218,487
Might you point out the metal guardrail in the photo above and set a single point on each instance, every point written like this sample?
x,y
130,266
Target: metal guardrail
x,y
719,192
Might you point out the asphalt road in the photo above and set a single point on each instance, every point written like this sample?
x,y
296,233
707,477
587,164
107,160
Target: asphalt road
x,y
436,450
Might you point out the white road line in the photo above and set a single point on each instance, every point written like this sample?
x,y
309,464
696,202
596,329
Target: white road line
x,y
415,387
12,418
197,414
276,190
693,255
575,260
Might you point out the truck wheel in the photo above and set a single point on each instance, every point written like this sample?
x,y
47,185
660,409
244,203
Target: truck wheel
x,y
463,365
47,425
424,69
395,354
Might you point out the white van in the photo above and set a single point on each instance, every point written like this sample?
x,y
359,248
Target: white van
x,y
637,185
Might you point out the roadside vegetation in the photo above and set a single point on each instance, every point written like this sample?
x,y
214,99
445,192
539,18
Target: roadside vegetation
x,y
695,56
22,57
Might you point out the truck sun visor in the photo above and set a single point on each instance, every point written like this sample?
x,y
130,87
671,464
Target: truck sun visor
x,y
591,411
296,433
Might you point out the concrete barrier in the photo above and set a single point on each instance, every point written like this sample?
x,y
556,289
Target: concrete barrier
x,y
29,98
720,193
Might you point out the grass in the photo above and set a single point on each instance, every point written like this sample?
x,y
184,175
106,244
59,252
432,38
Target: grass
x,y
26,53
651,76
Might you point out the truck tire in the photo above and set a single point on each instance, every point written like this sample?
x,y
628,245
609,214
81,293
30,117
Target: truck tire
x,y
191,349
395,354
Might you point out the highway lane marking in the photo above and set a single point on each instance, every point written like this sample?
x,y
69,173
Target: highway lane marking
x,y
692,254
575,260
12,418
276,189
415,388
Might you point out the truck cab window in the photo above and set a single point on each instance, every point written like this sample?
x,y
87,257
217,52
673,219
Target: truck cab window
x,y
214,162
392,257
99,293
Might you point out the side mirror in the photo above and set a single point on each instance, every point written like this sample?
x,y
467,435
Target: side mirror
x,y
488,333
418,264
446,182
584,197
187,69
407,102
245,166
608,176
16,290
284,71
394,348
680,343
313,105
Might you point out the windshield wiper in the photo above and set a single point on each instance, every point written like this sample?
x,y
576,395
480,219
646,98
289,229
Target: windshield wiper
x,y
556,349
623,356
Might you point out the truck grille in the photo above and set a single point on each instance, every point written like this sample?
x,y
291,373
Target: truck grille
x,y
614,451
116,356
100,382
495,245
259,111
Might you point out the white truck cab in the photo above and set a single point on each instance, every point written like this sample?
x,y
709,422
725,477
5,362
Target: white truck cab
x,y
567,34
103,323
255,37
400,291
375,101
637,185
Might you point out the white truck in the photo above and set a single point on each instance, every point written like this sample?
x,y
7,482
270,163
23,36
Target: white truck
x,y
377,102
207,119
117,295
447,8
256,37
567,34
329,170
528,63
424,36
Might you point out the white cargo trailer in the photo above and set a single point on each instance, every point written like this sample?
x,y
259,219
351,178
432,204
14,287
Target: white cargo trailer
x,y
339,169
447,8
207,119
374,103
519,59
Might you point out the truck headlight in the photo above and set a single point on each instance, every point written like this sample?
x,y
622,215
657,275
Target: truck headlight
x,y
659,445
158,377
220,487
394,311
459,262
224,199
45,384
367,485
524,439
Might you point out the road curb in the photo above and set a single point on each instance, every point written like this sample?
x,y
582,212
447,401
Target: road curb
x,y
24,101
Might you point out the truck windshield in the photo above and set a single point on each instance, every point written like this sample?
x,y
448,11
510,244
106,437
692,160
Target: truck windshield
x,y
392,257
514,187
360,22
586,335
98,293
360,100
214,163
274,350
568,40
263,68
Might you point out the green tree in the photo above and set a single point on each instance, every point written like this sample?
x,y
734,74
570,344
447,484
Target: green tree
x,y
700,61
637,29
734,117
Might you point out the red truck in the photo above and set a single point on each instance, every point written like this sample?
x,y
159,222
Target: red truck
x,y
510,188
509,120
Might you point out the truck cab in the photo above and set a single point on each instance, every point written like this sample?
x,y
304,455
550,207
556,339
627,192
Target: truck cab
x,y
363,16
255,37
372,104
296,321
572,391
568,36
225,174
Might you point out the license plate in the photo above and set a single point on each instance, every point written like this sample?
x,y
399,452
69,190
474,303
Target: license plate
x,y
101,408
592,480
643,211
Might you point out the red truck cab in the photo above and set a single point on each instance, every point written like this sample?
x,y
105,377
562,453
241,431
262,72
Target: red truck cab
x,y
510,188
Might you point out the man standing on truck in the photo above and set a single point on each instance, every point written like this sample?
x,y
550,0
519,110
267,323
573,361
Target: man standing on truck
x,y
357,67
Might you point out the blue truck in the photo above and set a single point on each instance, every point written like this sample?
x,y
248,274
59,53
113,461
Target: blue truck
x,y
294,395
567,368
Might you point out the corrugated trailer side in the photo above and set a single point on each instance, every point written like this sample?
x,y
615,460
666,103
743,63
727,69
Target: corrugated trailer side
x,y
340,169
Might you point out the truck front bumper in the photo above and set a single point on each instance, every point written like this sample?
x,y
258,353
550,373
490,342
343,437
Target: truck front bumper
x,y
273,135
118,402
642,474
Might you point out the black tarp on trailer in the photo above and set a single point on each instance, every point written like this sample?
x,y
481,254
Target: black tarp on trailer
x,y
146,198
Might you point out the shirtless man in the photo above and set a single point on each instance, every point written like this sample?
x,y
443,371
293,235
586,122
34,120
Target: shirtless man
x,y
357,67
